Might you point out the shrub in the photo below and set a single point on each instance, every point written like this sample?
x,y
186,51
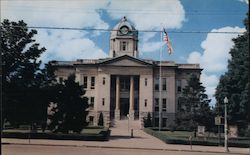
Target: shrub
x,y
100,120
101,136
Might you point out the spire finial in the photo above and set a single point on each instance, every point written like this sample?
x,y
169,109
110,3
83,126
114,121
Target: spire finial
x,y
124,19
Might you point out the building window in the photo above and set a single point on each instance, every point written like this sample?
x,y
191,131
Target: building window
x,y
60,80
123,46
146,81
114,54
103,80
103,101
164,104
157,84
145,102
164,84
92,82
156,104
85,82
178,86
92,102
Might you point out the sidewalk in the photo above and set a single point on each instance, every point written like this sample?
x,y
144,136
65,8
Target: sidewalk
x,y
121,139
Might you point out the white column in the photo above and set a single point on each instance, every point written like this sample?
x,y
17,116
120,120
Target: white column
x,y
117,98
131,98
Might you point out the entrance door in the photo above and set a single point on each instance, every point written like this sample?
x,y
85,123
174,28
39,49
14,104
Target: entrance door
x,y
124,107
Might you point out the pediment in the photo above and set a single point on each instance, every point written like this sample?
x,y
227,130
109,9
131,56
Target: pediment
x,y
126,61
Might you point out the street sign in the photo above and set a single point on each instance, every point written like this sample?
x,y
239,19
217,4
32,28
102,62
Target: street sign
x,y
219,120
233,131
201,131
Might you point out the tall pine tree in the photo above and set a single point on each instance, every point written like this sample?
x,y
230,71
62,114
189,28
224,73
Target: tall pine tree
x,y
193,108
70,113
235,82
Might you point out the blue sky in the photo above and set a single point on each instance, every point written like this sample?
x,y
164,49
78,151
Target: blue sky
x,y
208,49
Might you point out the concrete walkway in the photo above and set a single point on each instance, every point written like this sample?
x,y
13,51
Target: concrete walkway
x,y
120,138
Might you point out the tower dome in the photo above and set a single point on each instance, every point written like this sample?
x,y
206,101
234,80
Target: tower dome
x,y
124,39
124,23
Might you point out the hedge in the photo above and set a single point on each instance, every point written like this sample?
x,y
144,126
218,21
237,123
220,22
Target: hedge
x,y
101,136
236,142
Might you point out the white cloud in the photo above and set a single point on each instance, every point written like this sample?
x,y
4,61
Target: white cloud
x,y
194,57
60,44
151,46
210,81
55,13
88,14
68,45
147,36
151,15
79,48
244,1
214,57
216,50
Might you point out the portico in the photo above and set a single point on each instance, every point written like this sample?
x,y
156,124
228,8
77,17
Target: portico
x,y
126,96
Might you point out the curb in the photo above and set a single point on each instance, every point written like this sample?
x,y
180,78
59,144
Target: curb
x,y
125,148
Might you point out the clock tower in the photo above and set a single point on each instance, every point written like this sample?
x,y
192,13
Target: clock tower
x,y
124,40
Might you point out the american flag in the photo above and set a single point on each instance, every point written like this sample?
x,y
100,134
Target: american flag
x,y
169,44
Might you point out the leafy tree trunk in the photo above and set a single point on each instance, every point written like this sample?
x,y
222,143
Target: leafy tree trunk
x,y
21,72
235,84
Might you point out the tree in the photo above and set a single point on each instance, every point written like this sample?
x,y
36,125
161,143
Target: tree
x,y
100,120
20,55
69,107
193,108
235,82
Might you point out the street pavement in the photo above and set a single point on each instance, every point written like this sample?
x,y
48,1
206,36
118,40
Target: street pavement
x,y
71,150
120,139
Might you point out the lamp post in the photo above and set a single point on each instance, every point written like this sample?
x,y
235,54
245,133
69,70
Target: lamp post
x,y
225,126
128,116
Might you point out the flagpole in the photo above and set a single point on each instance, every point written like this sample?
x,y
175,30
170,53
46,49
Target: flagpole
x,y
160,85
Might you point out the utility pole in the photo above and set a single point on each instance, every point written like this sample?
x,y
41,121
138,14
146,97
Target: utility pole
x,y
225,127
160,88
219,125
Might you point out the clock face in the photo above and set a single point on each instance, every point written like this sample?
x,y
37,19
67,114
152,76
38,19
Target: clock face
x,y
124,30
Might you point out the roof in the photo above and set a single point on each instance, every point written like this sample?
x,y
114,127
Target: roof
x,y
110,61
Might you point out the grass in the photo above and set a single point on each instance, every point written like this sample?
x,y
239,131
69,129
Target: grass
x,y
182,137
91,131
177,133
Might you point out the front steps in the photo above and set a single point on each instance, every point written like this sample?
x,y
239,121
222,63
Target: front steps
x,y
127,124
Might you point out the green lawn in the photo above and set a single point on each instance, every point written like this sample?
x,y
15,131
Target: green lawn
x,y
91,131
177,133
182,137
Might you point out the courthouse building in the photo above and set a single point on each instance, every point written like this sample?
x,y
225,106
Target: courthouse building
x,y
125,85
